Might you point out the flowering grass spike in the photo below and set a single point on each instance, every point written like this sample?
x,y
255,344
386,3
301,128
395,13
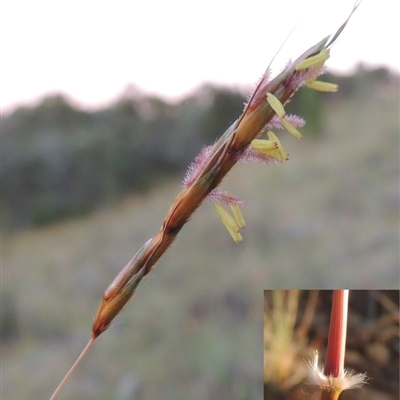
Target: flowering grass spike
x,y
242,141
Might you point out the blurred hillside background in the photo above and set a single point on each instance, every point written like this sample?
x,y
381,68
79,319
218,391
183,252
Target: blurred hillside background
x,y
82,191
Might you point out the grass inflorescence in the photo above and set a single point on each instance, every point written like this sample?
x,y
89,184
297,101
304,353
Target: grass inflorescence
x,y
242,141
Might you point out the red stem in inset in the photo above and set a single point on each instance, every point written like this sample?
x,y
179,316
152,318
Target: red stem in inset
x,y
337,334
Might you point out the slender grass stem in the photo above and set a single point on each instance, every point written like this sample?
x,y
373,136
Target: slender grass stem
x,y
333,379
71,370
334,363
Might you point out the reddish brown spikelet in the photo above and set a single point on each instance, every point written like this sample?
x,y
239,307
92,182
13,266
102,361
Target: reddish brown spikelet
x,y
213,164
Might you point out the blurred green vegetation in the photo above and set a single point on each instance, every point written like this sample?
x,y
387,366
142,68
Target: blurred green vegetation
x,y
326,218
60,161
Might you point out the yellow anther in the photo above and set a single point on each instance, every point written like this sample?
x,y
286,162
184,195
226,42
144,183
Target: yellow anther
x,y
229,222
322,86
276,105
314,61
271,147
237,213
264,146
279,153
290,128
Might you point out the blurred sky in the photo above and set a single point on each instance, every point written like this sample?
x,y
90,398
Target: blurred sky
x,y
91,50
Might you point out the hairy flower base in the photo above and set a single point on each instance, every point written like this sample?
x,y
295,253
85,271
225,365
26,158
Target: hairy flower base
x,y
347,380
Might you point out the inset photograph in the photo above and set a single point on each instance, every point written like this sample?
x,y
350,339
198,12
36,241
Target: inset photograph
x,y
331,344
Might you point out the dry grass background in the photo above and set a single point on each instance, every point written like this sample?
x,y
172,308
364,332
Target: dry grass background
x,y
329,217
